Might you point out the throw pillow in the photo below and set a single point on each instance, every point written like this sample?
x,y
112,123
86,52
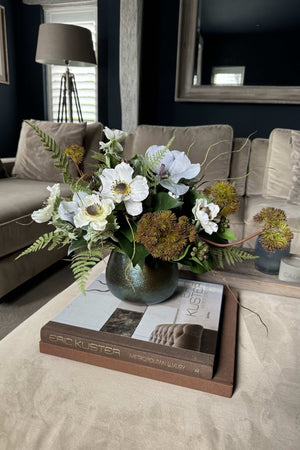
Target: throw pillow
x,y
33,161
195,141
294,193
277,174
91,145
239,163
3,173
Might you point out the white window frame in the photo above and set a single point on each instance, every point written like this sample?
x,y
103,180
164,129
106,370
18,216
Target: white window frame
x,y
228,76
72,13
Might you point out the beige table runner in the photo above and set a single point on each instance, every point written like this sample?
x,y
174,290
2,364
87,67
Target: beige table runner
x,y
49,403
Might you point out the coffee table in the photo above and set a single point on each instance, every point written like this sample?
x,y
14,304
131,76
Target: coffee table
x,y
54,403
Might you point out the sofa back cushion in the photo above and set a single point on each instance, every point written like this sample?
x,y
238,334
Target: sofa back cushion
x,y
257,165
277,175
94,134
239,164
33,161
195,141
294,192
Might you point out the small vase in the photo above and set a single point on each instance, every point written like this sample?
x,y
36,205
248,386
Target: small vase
x,y
269,262
154,284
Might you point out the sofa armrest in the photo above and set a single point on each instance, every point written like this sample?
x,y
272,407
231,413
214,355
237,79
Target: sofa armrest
x,y
8,164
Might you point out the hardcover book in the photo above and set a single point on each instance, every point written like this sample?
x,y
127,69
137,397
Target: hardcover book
x,y
179,335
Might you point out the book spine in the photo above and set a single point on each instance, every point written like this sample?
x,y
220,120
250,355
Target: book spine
x,y
123,353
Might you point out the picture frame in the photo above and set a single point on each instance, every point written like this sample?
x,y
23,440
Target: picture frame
x,y
4,72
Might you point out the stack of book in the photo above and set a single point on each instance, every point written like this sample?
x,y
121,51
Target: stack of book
x,y
188,340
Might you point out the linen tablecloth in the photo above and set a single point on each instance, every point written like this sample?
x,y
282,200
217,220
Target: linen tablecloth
x,y
52,403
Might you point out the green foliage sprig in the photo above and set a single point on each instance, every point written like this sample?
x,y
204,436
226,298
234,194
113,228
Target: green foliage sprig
x,y
62,159
231,255
52,240
82,264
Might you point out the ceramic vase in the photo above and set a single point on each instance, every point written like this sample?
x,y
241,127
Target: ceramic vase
x,y
269,262
156,282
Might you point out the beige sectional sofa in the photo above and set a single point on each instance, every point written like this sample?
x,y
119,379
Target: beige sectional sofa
x,y
261,168
25,190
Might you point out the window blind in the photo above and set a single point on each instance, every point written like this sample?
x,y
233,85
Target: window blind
x,y
85,77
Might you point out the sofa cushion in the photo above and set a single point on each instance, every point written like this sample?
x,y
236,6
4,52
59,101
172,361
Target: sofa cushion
x,y
195,141
239,163
277,175
257,165
255,204
19,198
33,161
3,173
294,193
91,141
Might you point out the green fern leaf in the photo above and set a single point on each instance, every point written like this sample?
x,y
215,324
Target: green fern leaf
x,y
57,153
52,240
82,264
231,255
153,161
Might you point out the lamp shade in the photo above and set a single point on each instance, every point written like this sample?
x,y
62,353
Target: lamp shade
x,y
60,43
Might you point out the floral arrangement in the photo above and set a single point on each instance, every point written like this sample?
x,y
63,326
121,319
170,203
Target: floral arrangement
x,y
151,204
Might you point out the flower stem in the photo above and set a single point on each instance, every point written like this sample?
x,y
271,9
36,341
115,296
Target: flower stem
x,y
232,243
78,169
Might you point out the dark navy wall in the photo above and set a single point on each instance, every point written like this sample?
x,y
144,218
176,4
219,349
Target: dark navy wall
x,y
8,92
23,97
158,85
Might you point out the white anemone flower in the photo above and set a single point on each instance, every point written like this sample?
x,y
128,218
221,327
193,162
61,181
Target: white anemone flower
x,y
68,209
205,213
114,138
173,167
45,214
119,185
93,211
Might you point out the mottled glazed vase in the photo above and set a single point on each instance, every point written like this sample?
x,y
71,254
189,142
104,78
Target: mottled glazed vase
x,y
154,284
269,262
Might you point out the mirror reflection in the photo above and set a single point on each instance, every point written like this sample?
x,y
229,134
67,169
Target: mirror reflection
x,y
250,43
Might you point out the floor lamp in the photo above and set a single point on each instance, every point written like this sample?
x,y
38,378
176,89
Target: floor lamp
x,y
69,45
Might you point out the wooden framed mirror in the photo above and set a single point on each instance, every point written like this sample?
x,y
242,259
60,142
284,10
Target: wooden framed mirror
x,y
189,27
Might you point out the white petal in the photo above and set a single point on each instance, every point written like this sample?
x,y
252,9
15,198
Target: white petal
x,y
214,209
67,210
42,215
99,224
203,218
124,172
182,167
108,133
139,189
81,220
133,208
177,189
211,228
79,197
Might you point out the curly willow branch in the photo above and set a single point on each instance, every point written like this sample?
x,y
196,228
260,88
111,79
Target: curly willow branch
x,y
238,302
231,244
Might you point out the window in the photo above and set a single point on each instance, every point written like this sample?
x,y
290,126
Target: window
x,y
228,76
85,77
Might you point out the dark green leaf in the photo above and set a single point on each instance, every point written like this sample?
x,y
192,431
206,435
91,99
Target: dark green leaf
x,y
227,234
163,201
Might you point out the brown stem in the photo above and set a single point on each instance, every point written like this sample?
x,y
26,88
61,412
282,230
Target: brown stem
x,y
238,302
232,243
78,169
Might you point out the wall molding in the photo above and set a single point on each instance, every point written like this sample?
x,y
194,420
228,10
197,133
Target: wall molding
x,y
130,55
58,2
